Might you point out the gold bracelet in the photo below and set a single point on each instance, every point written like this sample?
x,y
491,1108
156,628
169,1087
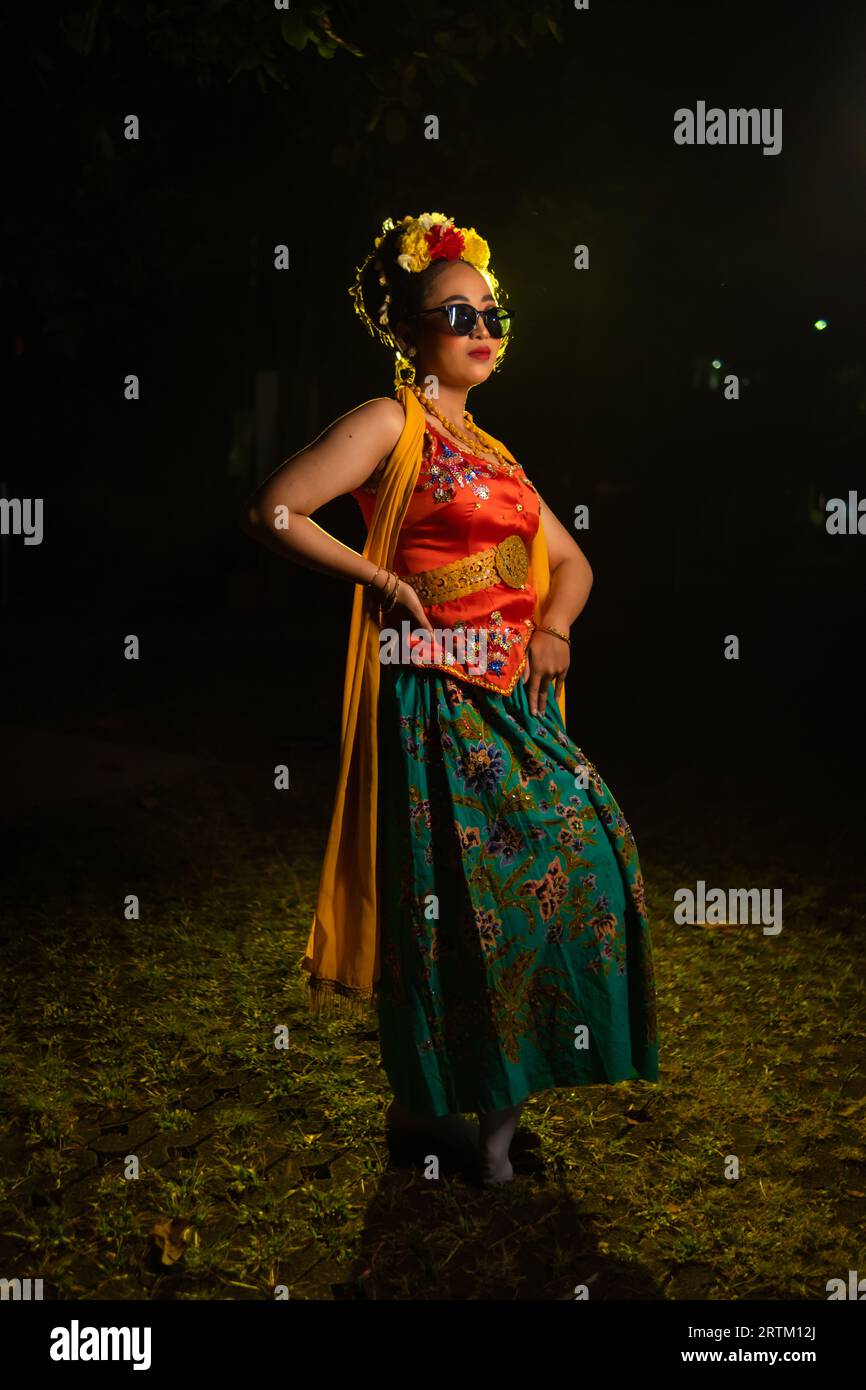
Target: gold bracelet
x,y
554,632
385,587
390,598
368,582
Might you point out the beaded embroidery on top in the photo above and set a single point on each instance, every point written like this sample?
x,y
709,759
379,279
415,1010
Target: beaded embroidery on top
x,y
446,472
449,469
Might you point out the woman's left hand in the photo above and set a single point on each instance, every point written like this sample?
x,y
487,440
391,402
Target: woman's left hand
x,y
547,659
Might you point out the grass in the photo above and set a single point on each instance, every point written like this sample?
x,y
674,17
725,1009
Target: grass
x,y
157,1144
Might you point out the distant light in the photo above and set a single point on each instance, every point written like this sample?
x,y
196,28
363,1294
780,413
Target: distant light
x,y
820,323
716,363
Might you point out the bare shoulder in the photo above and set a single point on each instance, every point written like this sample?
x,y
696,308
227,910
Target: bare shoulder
x,y
380,421
388,419
383,414
388,407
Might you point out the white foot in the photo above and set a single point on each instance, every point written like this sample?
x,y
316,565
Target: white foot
x,y
492,1176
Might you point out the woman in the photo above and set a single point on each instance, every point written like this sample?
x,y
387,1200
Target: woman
x,y
480,882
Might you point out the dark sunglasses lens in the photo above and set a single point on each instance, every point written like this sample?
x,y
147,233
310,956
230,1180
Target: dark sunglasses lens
x,y
462,318
498,322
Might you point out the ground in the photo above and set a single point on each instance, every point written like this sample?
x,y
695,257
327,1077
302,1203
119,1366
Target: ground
x,y
262,1167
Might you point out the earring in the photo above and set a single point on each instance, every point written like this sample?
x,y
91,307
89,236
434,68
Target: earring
x,y
404,374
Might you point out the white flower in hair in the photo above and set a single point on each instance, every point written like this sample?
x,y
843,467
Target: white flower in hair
x,y
405,262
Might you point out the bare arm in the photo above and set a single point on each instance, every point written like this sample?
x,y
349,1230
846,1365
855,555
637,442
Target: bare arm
x,y
570,574
570,582
342,458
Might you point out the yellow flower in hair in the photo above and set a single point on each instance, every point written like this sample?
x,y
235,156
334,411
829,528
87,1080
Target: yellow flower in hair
x,y
475,249
415,254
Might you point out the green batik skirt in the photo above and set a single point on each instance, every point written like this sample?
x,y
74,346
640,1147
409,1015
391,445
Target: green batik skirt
x,y
515,945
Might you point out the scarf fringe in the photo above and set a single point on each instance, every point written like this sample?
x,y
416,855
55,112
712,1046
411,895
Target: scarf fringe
x,y
332,998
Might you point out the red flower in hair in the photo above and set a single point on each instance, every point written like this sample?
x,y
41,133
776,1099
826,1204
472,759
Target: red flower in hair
x,y
444,243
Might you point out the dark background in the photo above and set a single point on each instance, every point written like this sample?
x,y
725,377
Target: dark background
x,y
156,776
155,257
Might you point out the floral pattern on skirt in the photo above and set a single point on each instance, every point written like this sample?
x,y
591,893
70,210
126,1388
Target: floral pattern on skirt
x,y
515,946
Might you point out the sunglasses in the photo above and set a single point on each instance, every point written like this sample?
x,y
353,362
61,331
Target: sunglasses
x,y
462,318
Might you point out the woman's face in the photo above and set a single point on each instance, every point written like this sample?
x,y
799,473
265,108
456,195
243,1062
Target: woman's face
x,y
455,361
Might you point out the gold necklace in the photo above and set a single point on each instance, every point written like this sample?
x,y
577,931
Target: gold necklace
x,y
503,463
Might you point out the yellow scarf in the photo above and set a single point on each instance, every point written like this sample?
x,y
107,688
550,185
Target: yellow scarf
x,y
342,956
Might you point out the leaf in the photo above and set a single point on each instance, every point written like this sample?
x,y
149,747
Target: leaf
x,y
294,29
170,1236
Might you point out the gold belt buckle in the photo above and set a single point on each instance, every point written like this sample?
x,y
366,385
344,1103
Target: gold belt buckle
x,y
511,559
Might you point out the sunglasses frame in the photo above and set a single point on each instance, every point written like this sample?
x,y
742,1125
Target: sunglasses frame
x,y
479,313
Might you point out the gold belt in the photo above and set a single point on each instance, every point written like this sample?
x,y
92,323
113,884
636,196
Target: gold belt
x,y
506,563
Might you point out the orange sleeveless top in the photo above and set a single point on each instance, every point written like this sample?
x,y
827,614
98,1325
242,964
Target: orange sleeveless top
x,y
463,504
